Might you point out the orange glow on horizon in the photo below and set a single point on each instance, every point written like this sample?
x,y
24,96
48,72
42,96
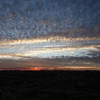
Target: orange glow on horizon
x,y
35,68
72,68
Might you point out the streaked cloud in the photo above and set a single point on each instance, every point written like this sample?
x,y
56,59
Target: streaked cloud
x,y
48,48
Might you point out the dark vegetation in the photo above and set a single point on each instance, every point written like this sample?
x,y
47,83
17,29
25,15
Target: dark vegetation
x,y
48,85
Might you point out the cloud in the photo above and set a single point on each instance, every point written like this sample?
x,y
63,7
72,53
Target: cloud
x,y
31,19
49,33
42,48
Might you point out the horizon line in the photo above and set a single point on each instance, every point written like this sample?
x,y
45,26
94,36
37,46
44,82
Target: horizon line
x,y
65,68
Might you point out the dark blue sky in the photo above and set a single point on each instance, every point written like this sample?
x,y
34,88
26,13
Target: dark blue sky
x,y
36,18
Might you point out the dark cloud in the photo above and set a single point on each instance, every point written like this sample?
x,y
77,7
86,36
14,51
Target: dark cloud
x,y
95,55
56,62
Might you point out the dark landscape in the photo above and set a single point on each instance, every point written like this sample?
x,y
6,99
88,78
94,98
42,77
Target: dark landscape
x,y
48,85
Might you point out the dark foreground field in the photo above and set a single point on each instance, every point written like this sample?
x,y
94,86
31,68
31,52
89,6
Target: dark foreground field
x,y
48,85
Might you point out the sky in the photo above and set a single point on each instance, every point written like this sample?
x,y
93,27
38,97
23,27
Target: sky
x,y
49,33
